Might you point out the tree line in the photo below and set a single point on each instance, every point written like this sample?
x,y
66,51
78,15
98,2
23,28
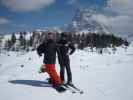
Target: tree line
x,y
83,40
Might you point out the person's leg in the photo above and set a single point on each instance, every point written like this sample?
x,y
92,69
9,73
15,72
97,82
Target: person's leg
x,y
56,80
62,72
69,74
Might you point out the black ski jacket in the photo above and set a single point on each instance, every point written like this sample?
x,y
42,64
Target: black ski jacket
x,y
49,49
65,49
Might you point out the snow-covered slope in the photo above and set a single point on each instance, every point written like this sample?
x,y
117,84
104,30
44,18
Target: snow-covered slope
x,y
102,77
83,21
130,37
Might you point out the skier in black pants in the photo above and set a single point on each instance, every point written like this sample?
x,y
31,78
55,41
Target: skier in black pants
x,y
66,48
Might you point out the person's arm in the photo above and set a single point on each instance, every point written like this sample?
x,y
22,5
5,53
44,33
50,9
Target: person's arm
x,y
58,48
40,49
72,47
58,52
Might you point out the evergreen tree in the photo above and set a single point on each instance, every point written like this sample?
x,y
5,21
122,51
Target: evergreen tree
x,y
13,39
8,45
22,41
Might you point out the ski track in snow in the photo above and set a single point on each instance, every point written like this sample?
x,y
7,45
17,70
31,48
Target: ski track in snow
x,y
101,77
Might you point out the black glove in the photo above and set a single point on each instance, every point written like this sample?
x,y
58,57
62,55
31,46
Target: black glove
x,y
40,54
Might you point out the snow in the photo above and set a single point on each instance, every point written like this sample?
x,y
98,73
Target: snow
x,y
102,77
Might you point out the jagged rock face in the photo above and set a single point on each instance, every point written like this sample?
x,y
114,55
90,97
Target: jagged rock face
x,y
83,21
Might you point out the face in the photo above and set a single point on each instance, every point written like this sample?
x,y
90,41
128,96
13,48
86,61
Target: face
x,y
50,36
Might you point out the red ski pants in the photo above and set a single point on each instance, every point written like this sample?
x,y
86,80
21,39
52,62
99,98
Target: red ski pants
x,y
56,80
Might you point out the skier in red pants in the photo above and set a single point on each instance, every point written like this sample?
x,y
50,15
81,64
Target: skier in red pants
x,y
49,49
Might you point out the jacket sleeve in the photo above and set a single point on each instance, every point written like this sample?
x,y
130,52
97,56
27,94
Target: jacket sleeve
x,y
40,49
72,47
58,49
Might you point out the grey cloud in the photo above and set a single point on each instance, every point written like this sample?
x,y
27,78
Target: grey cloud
x,y
121,6
26,5
4,21
122,23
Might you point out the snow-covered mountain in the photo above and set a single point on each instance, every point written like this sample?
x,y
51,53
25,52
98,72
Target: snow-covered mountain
x,y
83,21
49,29
130,37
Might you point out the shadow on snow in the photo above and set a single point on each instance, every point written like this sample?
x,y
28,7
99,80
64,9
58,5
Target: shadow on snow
x,y
31,83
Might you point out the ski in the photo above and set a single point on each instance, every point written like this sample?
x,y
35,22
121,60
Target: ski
x,y
70,89
75,88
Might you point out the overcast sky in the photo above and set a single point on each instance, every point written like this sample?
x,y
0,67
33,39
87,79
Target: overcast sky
x,y
20,15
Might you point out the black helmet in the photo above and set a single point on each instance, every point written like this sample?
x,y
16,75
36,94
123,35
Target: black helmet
x,y
63,35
